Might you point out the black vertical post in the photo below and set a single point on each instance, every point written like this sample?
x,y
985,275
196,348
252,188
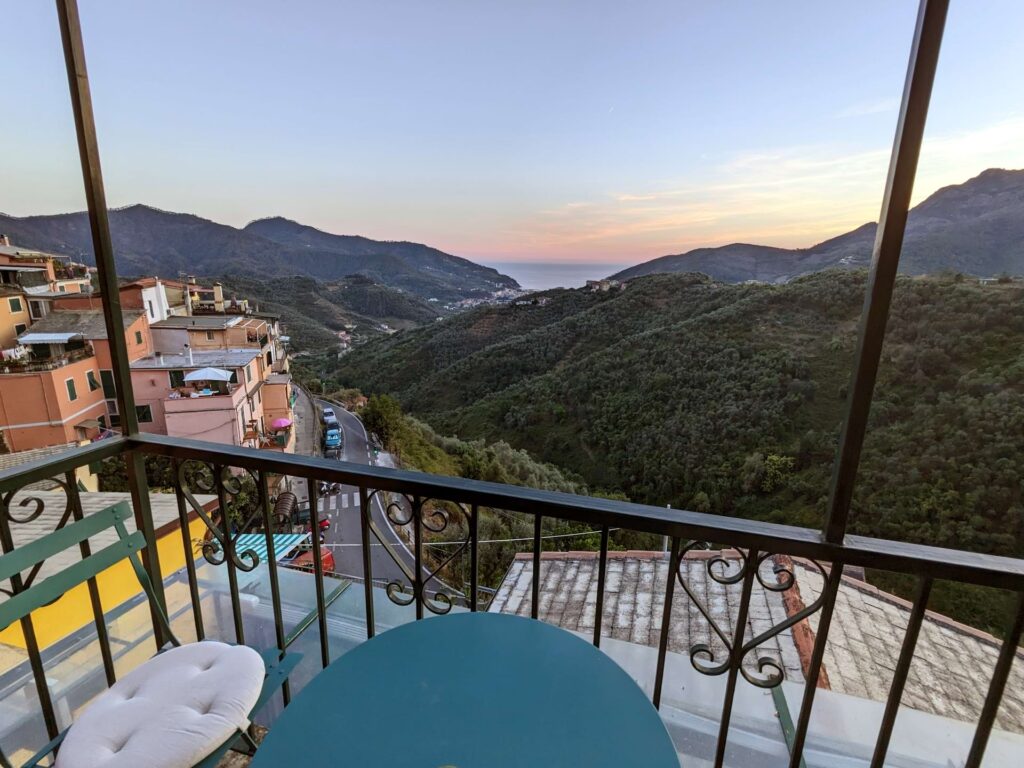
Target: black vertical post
x,y
318,571
917,91
1001,673
102,636
602,575
364,520
474,557
535,583
96,199
666,620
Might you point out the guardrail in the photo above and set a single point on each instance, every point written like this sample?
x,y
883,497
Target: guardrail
x,y
430,505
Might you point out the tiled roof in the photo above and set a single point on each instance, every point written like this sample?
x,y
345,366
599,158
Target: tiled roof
x,y
633,601
164,506
952,663
9,460
949,676
87,322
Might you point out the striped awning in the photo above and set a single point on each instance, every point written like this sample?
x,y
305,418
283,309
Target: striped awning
x,y
257,542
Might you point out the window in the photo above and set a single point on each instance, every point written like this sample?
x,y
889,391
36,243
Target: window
x,y
19,329
248,374
209,335
109,390
144,413
138,337
149,305
62,289
35,309
15,303
177,378
90,377
72,394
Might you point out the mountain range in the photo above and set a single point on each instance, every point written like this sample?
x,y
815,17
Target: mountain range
x,y
976,228
149,241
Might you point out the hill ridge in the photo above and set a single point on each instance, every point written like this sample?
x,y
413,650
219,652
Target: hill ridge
x,y
976,227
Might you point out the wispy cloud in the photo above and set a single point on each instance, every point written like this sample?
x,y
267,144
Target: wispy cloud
x,y
790,196
864,108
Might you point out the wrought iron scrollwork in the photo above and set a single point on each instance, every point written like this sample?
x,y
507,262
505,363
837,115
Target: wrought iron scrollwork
x,y
766,671
432,516
226,528
34,506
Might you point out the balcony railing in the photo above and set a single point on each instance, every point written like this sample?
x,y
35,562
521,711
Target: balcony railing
x,y
430,507
37,364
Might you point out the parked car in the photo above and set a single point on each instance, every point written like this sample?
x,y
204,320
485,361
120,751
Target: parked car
x,y
332,438
332,423
327,414
301,559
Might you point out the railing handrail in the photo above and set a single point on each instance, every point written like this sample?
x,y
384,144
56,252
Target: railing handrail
x,y
47,467
905,557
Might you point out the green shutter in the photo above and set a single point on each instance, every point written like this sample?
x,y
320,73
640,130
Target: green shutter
x,y
109,390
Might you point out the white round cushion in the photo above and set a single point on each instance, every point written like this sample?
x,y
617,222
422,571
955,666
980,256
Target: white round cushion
x,y
171,712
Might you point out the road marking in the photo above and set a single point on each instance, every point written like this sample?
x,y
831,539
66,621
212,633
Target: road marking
x,y
344,500
355,500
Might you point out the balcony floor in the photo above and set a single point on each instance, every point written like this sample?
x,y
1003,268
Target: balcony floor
x,y
237,760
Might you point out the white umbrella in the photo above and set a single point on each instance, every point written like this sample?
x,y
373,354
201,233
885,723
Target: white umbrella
x,y
208,374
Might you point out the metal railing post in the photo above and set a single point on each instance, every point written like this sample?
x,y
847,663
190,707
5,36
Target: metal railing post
x,y
885,258
92,176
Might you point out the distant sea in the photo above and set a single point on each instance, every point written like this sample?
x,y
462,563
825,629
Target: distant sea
x,y
540,276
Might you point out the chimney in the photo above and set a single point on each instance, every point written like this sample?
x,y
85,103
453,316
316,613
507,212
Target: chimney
x,y
188,348
4,240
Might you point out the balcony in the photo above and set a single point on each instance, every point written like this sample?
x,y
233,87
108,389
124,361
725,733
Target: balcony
x,y
759,644
669,618
34,364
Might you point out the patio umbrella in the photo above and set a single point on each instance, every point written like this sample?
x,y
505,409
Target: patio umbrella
x,y
281,423
208,374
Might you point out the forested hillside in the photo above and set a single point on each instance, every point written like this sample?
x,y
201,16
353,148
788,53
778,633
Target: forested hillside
x,y
728,398
313,311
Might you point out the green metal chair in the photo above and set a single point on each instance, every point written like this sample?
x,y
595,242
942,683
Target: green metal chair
x,y
20,605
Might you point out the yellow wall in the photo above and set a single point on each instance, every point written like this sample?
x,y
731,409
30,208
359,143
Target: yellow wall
x,y
117,584
9,319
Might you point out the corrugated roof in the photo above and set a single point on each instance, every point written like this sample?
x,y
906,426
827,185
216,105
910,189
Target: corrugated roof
x,y
27,253
47,338
952,664
20,268
87,323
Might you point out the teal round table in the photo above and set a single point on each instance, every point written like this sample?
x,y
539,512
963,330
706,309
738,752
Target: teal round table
x,y
470,690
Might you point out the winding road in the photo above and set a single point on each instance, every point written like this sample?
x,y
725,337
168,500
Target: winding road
x,y
344,537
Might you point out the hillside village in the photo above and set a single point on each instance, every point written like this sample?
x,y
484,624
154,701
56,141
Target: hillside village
x,y
202,366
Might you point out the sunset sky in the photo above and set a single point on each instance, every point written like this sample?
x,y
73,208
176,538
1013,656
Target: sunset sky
x,y
533,130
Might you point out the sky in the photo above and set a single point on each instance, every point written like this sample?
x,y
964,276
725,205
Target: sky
x,y
537,130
